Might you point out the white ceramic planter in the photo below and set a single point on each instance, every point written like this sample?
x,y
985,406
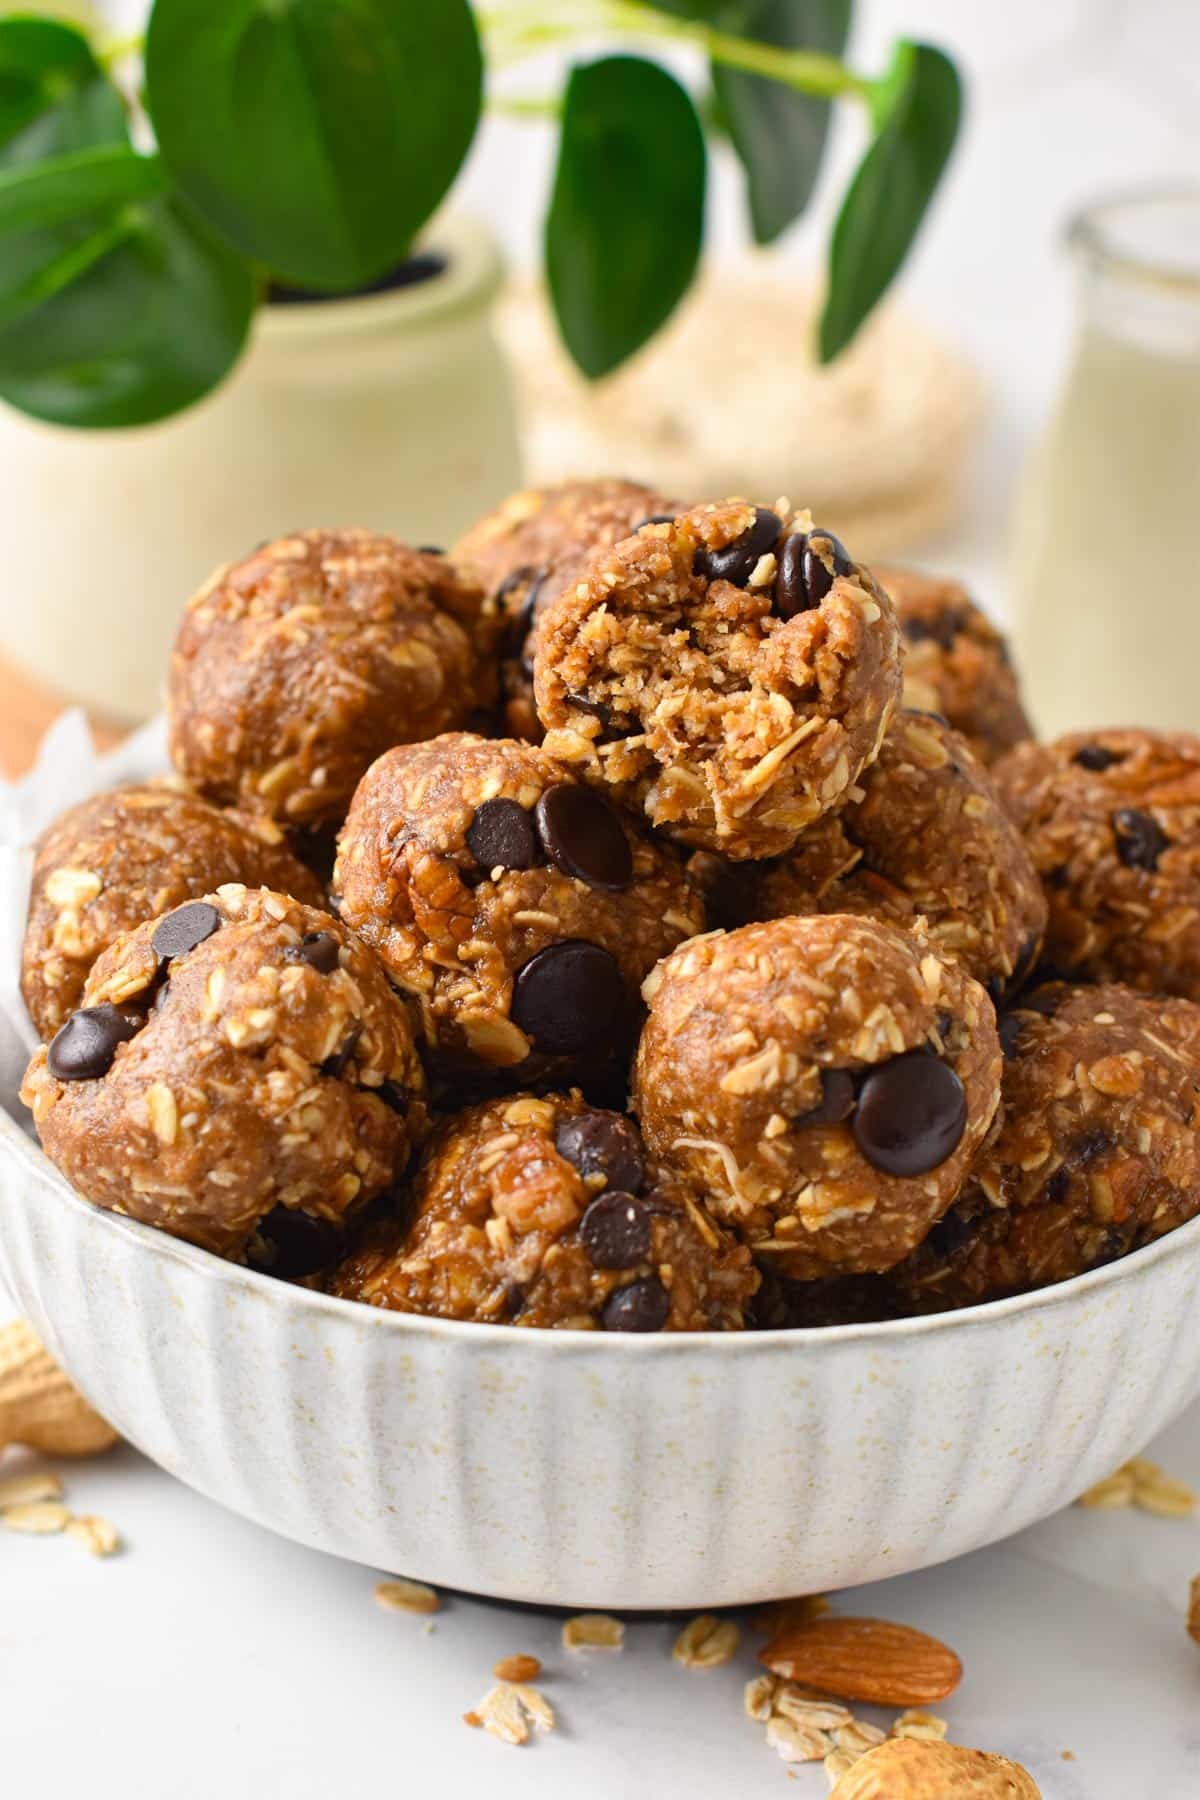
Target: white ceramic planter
x,y
392,410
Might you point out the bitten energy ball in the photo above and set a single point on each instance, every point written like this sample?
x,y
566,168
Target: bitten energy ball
x,y
825,1083
545,1212
122,857
525,552
296,667
729,673
1098,1153
927,838
956,662
514,904
1112,821
241,1075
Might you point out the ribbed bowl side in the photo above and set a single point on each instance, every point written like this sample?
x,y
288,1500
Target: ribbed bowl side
x,y
578,1470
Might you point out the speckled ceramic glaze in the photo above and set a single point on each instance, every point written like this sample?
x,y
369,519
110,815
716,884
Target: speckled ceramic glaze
x,y
580,1469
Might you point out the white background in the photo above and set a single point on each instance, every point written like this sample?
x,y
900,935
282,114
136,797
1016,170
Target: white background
x,y
213,1659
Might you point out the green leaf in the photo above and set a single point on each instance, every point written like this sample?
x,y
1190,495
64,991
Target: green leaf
x,y
626,218
917,120
123,319
52,192
316,135
54,96
779,133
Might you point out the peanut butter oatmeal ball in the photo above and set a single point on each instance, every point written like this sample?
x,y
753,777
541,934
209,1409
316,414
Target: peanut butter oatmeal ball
x,y
956,662
824,1081
729,673
546,1212
1112,821
241,1075
525,552
126,856
925,838
1098,1152
517,907
296,667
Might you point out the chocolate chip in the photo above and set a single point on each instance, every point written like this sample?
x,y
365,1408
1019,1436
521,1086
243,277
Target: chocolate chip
x,y
1096,758
1025,964
1057,1188
569,997
395,1095
738,561
317,949
837,1099
942,630
1140,839
603,1143
653,519
430,550
808,565
295,1243
337,1064
615,1232
1009,1029
83,1049
1090,1146
582,836
501,836
912,1112
642,1306
517,627
184,928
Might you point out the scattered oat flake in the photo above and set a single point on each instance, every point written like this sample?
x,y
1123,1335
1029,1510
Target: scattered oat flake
x,y
759,1696
95,1534
406,1596
40,1518
517,1668
858,1737
593,1631
803,1708
797,1743
922,1725
706,1642
27,1490
1193,1622
837,1764
1143,1484
1106,1496
509,1709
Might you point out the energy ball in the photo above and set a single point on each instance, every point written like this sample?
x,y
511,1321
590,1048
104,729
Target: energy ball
x,y
729,673
925,838
825,1082
956,662
1112,821
546,1212
296,667
514,904
1098,1152
525,552
241,1075
126,856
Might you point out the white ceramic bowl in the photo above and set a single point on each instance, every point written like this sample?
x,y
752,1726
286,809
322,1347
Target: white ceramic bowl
x,y
574,1468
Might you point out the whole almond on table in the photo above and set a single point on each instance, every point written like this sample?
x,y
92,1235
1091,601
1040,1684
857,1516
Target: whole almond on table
x,y
864,1659
907,1769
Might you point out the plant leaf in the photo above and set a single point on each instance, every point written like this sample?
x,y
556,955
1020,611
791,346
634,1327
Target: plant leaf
x,y
917,122
316,135
65,187
626,218
54,96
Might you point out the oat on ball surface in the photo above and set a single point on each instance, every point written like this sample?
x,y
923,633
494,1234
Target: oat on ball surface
x,y
515,904
956,662
730,674
122,857
546,1212
927,839
241,1075
296,667
825,1083
527,549
1112,821
1098,1152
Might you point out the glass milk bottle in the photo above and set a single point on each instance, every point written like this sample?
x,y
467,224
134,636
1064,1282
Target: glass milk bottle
x,y
1107,588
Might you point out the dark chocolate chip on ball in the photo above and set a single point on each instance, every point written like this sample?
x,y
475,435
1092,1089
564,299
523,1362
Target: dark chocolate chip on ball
x,y
615,1232
1008,1027
911,1114
582,836
808,565
642,1306
184,928
603,1143
836,1102
1096,758
294,1244
501,836
83,1049
569,998
738,561
654,519
317,950
1140,838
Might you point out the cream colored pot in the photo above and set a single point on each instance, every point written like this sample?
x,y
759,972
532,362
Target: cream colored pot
x,y
393,410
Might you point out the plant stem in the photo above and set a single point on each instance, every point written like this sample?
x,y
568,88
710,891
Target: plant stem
x,y
118,49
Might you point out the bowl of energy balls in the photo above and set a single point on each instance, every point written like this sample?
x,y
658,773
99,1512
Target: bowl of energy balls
x,y
612,1069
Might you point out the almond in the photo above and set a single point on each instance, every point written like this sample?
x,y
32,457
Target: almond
x,y
905,1769
864,1659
